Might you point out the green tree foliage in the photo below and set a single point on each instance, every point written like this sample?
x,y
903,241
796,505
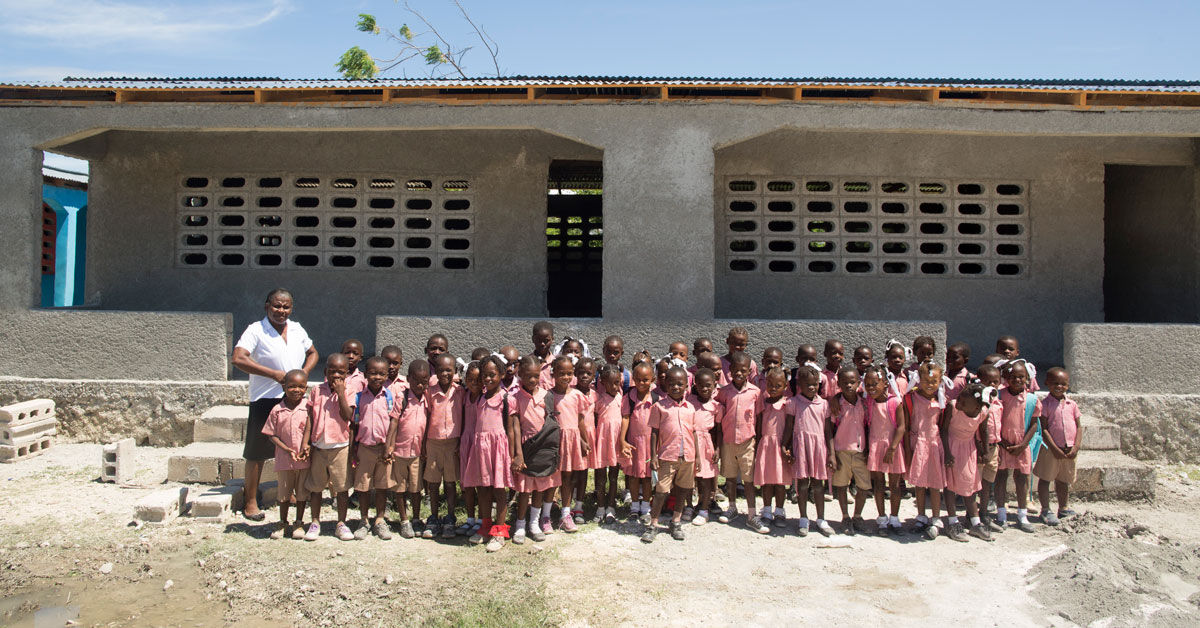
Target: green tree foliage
x,y
439,56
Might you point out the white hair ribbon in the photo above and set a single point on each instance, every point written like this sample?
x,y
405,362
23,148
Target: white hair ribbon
x,y
558,350
908,354
503,360
462,365
673,361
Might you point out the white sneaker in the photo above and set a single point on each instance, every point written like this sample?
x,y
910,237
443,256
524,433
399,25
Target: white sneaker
x,y
518,537
729,514
495,543
824,528
701,518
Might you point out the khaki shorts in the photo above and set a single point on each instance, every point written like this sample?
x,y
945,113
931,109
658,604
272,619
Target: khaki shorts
x,y
406,475
372,471
292,485
1052,469
330,468
675,474
441,460
991,463
852,464
738,459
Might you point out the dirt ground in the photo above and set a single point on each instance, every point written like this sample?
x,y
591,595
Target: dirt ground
x,y
70,556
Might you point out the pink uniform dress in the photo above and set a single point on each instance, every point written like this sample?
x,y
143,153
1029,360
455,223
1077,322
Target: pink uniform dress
x,y
589,424
963,478
808,438
928,468
606,448
531,415
901,382
957,383
706,419
489,462
570,406
881,426
1012,430
470,414
638,434
769,465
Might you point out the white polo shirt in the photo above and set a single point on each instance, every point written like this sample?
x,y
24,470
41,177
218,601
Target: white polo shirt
x,y
267,348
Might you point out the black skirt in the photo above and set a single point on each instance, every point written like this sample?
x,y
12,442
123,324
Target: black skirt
x,y
259,446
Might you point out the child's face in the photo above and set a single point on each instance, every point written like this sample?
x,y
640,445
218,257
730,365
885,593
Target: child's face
x,y
376,376
990,377
679,350
573,348
923,352
353,352
895,359
738,372
955,360
709,361
700,346
613,350
875,385
736,342
435,347
660,370
529,375
473,381
643,376
705,385
862,358
612,384
418,381
443,369
564,372
542,339
294,388
676,385
776,384
848,384
490,376
335,371
834,354
585,374
806,353
929,382
1008,347
394,362
808,385
513,358
1017,379
1058,382
772,359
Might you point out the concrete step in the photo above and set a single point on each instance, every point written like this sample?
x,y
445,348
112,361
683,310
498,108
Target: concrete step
x,y
1101,475
212,463
221,424
1100,435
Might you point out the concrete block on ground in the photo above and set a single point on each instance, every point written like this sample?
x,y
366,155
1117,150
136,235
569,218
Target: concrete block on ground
x,y
221,424
268,494
10,433
1100,435
27,447
216,503
26,411
116,461
161,507
211,463
1101,475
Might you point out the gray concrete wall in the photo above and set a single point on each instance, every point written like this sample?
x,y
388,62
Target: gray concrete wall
x,y
154,412
410,334
1150,261
1066,205
115,345
21,217
1153,427
1133,359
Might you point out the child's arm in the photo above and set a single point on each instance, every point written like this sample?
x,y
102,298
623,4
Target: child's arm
x,y
344,407
758,422
583,440
944,429
278,443
514,443
389,443
626,448
789,424
981,437
654,449
1044,424
898,435
715,433
1033,428
308,424
829,443
1072,452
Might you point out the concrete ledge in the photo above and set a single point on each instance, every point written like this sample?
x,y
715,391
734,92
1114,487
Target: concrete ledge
x,y
1106,358
222,424
152,412
212,463
411,332
1113,476
1100,435
138,345
1153,427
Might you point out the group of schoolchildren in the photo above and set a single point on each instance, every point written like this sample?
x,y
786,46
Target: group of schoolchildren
x,y
536,425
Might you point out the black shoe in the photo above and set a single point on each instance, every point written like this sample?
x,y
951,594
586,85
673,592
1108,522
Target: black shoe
x,y
650,533
676,531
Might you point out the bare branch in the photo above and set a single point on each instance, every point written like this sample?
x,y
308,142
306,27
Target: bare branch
x,y
449,48
483,36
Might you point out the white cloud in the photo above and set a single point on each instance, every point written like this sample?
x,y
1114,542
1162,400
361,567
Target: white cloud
x,y
93,23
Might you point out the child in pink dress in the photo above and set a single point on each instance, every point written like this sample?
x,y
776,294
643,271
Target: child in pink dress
x,y
849,411
704,384
885,433
635,440
1015,455
957,355
896,375
964,433
473,386
489,467
926,465
1009,348
573,448
1062,433
605,456
585,376
285,427
528,416
811,446
772,467
835,352
772,358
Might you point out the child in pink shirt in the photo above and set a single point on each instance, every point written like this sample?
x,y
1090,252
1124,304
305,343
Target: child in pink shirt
x,y
673,447
372,475
570,406
605,456
835,352
708,409
923,348
635,439
285,427
1010,349
741,401
926,465
989,464
510,382
849,411
772,468
1016,433
896,374
529,415
585,375
1061,435
406,439
490,461
957,355
543,344
444,399
811,446
772,357
395,382
330,411
737,341
886,430
964,431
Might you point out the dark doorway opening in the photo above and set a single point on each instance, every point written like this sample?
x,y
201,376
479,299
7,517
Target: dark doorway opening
x,y
575,239
1150,260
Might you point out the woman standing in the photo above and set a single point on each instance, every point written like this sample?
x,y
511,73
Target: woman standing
x,y
266,351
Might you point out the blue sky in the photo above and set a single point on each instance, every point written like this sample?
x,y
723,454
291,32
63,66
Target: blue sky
x,y
49,39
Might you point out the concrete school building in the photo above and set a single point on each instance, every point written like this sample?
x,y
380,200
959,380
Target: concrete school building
x,y
1061,212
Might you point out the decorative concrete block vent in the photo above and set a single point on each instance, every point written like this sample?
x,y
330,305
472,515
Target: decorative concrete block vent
x,y
116,461
27,429
325,221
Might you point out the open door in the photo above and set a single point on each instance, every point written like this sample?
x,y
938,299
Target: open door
x,y
575,239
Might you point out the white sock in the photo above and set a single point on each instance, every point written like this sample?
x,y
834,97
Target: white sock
x,y
1001,515
704,513
520,524
779,513
881,521
803,523
974,521
1023,515
937,523
821,523
922,519
952,520
533,513
546,509
894,521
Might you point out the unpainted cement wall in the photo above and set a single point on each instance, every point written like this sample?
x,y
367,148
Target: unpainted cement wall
x,y
410,334
1153,427
1133,359
185,346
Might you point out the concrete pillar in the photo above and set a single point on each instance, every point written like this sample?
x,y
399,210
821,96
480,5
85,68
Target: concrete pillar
x,y
658,223
21,217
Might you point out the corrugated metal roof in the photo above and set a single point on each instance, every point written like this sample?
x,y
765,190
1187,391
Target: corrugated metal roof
x,y
236,83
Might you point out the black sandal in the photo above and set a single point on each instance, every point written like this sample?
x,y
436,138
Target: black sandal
x,y
258,516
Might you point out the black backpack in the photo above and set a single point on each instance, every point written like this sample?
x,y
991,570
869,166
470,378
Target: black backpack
x,y
541,451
